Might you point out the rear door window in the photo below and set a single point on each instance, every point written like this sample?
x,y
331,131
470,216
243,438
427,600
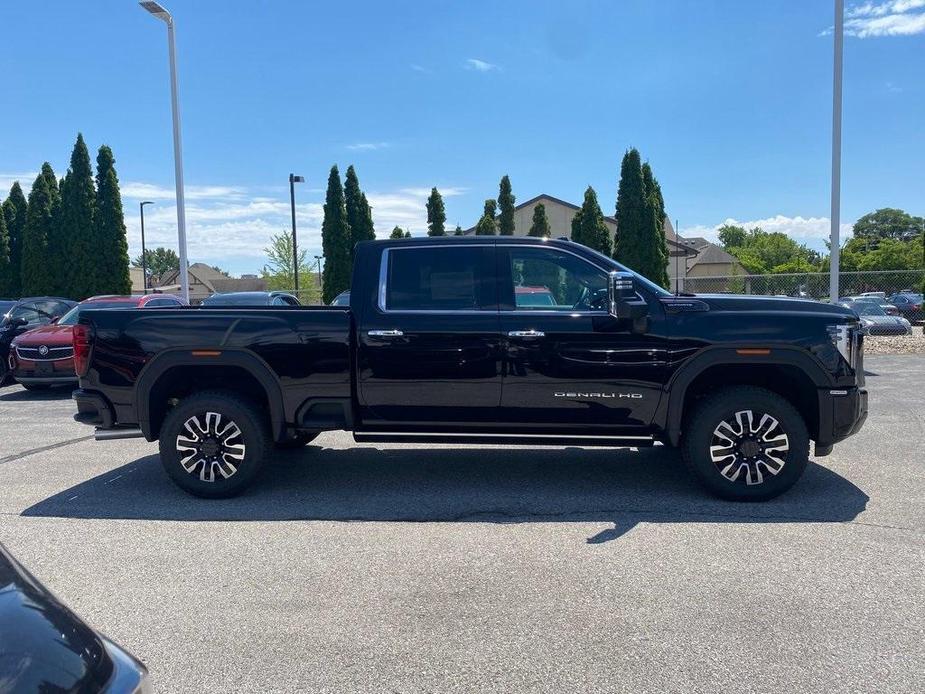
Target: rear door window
x,y
441,278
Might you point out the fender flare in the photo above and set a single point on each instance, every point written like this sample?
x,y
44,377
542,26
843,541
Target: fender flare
x,y
244,359
780,355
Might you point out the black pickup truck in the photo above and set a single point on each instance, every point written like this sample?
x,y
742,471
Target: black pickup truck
x,y
482,340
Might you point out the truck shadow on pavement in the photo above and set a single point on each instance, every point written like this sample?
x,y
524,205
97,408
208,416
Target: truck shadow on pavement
x,y
495,485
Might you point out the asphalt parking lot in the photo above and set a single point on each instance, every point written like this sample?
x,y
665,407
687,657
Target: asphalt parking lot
x,y
406,568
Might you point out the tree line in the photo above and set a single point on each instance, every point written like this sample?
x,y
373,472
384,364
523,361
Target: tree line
x,y
886,239
68,237
639,242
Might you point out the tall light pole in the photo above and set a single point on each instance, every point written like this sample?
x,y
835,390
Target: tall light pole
x,y
293,179
158,11
144,260
835,250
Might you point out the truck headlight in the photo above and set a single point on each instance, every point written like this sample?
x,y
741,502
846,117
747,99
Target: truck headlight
x,y
848,341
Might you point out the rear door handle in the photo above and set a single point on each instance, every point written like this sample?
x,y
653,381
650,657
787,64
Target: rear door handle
x,y
385,333
526,333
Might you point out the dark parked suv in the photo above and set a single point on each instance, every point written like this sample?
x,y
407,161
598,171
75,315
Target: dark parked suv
x,y
26,314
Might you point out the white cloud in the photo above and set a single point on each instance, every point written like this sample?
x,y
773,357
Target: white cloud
x,y
25,182
421,69
230,226
135,190
368,146
480,65
890,18
812,231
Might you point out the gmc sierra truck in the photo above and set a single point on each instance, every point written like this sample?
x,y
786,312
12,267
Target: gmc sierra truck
x,y
486,340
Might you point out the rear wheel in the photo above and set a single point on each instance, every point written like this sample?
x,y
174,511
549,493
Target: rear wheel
x,y
746,444
213,444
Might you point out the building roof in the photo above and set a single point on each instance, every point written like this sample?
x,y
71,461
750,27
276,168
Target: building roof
x,y
713,254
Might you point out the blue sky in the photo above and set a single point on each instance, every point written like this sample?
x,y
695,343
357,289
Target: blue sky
x,y
729,101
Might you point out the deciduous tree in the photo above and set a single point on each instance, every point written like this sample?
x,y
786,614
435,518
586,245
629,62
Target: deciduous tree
x,y
888,223
158,261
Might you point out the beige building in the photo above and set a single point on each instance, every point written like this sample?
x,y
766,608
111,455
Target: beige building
x,y
205,281
560,214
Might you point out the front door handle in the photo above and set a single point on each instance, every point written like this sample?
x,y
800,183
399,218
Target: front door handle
x,y
385,333
526,333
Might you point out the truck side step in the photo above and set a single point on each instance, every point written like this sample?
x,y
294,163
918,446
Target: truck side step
x,y
502,439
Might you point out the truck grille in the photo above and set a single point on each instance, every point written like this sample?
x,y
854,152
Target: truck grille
x,y
50,353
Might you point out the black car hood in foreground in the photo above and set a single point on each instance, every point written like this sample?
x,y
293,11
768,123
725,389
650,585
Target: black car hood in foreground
x,y
43,645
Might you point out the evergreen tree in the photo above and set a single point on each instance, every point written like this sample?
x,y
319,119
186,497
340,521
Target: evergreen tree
x,y
6,274
436,214
407,233
577,231
540,225
588,227
655,217
506,207
74,248
335,240
486,225
40,219
112,246
359,215
397,233
459,231
14,214
634,244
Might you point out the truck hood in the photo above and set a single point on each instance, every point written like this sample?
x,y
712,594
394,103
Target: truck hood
x,y
49,335
746,303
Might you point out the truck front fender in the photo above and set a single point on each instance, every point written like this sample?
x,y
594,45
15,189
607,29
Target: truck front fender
x,y
672,411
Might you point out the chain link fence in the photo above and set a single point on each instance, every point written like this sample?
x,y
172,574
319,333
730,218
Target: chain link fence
x,y
307,296
809,285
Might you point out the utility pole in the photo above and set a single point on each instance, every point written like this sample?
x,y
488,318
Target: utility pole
x,y
835,250
144,260
293,179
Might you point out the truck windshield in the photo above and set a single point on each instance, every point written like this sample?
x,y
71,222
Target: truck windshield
x,y
648,284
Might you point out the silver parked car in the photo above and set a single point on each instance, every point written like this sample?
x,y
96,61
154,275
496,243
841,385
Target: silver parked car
x,y
876,321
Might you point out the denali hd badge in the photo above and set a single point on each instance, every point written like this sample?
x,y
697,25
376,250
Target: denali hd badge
x,y
634,396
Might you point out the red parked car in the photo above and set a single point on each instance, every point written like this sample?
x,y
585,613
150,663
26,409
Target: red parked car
x,y
44,357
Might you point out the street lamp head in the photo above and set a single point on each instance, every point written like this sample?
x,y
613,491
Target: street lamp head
x,y
157,10
296,179
146,202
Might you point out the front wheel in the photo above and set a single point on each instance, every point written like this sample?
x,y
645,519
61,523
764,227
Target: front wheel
x,y
746,444
213,444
